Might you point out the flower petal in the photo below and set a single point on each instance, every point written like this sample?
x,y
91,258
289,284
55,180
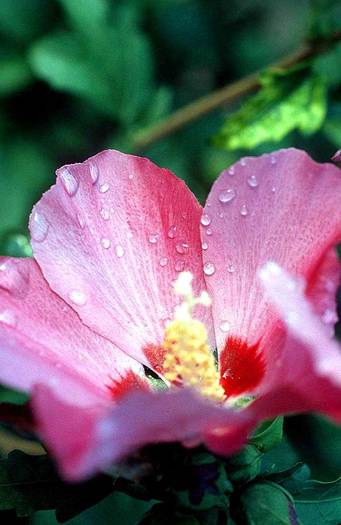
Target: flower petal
x,y
87,441
307,374
111,237
43,340
282,207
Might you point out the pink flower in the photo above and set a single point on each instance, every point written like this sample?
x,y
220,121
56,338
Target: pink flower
x,y
109,239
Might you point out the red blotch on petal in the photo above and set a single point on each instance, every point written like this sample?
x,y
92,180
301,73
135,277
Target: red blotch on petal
x,y
156,355
242,367
128,383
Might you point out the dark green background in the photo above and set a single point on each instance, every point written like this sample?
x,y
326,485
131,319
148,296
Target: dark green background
x,y
78,76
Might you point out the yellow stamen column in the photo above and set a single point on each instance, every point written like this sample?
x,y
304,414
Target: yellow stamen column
x,y
189,360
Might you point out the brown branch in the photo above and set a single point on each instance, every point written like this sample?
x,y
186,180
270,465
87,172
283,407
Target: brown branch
x,y
204,105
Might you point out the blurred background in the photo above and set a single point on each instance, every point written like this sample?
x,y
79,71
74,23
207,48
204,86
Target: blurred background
x,y
78,76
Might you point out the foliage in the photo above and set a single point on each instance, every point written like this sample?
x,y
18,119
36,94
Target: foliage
x,y
78,76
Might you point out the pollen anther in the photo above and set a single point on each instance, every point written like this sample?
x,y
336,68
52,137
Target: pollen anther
x,y
189,360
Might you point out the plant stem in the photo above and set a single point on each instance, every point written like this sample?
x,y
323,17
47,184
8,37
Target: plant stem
x,y
204,105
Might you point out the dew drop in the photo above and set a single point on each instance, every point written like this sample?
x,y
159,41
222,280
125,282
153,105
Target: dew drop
x,y
273,160
221,215
230,268
182,248
224,326
273,189
104,187
105,214
163,261
243,210
8,317
69,182
153,237
39,227
231,171
80,221
179,266
119,250
130,176
106,243
204,245
252,181
205,219
94,173
172,231
243,162
227,195
209,231
78,297
209,268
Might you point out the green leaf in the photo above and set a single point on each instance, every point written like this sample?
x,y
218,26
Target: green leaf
x,y
112,70
15,74
298,472
266,504
268,435
86,15
317,501
245,466
24,171
30,483
327,66
284,103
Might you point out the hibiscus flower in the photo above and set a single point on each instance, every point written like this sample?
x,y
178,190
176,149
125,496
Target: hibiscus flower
x,y
89,324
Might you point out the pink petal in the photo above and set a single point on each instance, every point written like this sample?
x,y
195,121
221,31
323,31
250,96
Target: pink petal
x,y
307,374
44,341
87,441
111,237
337,156
322,288
282,207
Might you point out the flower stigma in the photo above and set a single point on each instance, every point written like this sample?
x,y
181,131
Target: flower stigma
x,y
189,360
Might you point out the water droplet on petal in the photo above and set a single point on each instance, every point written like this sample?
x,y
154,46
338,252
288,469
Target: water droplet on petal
x,y
78,297
182,247
104,187
252,181
106,243
231,170
221,215
130,176
105,214
119,250
172,231
163,261
80,221
69,182
209,268
39,227
8,317
179,266
204,245
273,189
209,231
243,162
227,195
273,160
224,326
205,219
243,210
230,268
94,173
153,237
